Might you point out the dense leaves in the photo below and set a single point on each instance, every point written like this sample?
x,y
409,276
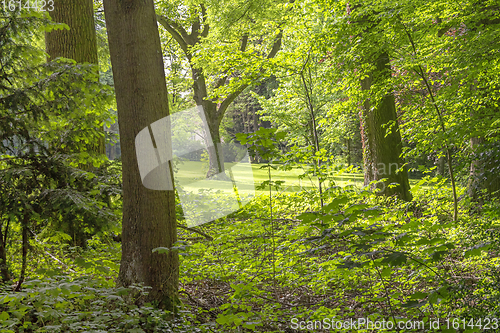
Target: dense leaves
x,y
315,242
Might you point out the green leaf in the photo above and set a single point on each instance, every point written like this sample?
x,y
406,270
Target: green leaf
x,y
436,256
413,304
418,295
4,316
395,259
477,250
307,217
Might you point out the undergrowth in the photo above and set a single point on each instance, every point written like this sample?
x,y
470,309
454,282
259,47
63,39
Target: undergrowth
x,y
361,256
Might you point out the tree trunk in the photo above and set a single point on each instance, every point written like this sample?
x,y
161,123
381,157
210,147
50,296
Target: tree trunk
x,y
484,171
349,152
4,269
24,251
141,94
214,118
213,112
441,163
381,151
255,158
474,186
78,43
246,123
215,152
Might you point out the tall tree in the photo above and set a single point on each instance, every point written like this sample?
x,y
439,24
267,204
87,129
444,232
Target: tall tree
x,y
364,71
189,34
382,145
78,43
381,138
141,94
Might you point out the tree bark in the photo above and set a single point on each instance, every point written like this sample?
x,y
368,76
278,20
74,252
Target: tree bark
x,y
79,42
4,269
381,151
141,93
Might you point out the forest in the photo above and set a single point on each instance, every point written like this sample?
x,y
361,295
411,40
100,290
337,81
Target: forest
x,y
249,166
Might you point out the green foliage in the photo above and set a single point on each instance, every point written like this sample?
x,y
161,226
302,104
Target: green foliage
x,y
52,185
389,259
62,304
342,254
264,142
305,94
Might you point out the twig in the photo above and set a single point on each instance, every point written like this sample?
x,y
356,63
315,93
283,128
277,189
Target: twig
x,y
50,255
386,293
199,232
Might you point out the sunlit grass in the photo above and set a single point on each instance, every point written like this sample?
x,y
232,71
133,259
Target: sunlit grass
x,y
189,173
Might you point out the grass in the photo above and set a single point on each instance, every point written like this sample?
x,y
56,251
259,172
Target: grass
x,y
191,176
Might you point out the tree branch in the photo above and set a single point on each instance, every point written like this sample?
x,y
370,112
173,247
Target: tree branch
x,y
220,82
232,96
176,31
276,46
210,238
244,42
206,26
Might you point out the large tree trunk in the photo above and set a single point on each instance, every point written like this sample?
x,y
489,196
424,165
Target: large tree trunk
x,y
141,93
214,118
79,42
381,151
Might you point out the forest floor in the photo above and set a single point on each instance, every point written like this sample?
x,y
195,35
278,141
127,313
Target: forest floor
x,y
282,260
